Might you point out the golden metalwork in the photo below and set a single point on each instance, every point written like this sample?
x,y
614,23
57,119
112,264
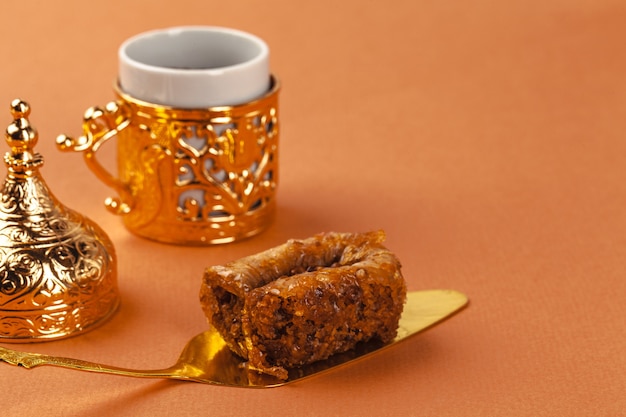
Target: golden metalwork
x,y
187,176
58,272
207,359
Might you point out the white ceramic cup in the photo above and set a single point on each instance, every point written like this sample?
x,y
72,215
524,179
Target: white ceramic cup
x,y
194,67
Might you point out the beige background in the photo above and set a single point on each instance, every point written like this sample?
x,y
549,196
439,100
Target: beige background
x,y
485,137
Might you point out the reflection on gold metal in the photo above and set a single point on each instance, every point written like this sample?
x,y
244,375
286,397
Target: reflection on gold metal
x,y
57,268
187,176
207,359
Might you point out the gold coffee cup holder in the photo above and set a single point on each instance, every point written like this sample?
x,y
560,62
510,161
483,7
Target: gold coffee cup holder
x,y
200,176
58,269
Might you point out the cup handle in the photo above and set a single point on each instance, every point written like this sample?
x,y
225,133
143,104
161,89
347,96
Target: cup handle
x,y
100,125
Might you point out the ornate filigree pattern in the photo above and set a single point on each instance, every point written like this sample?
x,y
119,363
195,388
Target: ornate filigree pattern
x,y
195,176
225,171
57,268
58,276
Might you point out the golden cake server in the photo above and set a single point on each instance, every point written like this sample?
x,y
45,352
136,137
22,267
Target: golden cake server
x,y
207,359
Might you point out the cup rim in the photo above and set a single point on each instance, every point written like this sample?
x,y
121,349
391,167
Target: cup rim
x,y
194,66
157,69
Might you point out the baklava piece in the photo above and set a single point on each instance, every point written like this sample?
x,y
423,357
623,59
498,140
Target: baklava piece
x,y
305,300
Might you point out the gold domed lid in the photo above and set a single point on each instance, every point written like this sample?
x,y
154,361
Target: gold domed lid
x,y
58,269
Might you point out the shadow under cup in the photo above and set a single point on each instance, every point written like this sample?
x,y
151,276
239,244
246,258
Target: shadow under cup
x,y
194,175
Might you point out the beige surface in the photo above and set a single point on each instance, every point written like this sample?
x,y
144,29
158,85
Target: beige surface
x,y
486,138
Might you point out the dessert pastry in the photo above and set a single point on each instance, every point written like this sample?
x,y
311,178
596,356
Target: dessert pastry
x,y
306,299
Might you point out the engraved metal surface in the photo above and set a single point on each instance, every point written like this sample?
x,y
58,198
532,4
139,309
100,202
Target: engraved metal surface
x,y
57,268
187,176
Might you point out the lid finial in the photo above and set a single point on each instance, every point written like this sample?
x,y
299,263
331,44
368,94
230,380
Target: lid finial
x,y
21,138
